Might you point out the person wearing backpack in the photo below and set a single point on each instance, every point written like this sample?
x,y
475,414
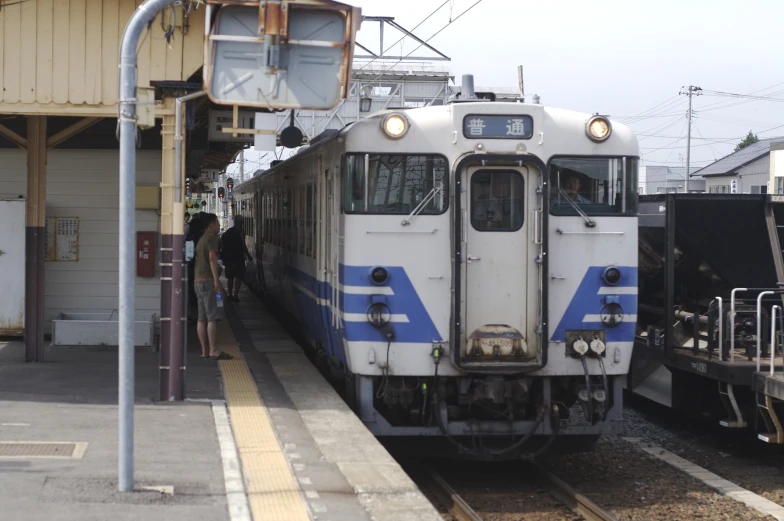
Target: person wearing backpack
x,y
233,254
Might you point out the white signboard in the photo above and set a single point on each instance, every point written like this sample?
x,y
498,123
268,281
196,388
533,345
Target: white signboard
x,y
307,72
734,186
220,119
266,142
209,175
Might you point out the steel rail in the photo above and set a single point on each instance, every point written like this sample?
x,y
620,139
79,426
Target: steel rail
x,y
576,502
451,500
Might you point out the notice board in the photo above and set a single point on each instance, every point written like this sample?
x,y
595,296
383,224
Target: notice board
x,y
62,239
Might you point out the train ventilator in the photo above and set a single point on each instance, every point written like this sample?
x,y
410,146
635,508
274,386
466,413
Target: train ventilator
x,y
469,270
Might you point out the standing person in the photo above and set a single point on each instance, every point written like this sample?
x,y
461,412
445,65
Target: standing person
x,y
195,231
234,251
207,285
187,223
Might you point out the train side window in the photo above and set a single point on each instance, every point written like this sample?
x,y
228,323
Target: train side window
x,y
309,220
301,220
497,201
395,184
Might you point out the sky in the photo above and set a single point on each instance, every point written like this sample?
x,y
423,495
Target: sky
x,y
625,58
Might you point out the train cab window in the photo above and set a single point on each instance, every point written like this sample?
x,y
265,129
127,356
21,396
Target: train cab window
x,y
593,186
497,201
395,184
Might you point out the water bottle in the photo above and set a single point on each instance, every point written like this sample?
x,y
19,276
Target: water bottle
x,y
219,298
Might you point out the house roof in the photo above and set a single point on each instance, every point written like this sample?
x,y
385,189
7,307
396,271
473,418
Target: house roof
x,y
731,163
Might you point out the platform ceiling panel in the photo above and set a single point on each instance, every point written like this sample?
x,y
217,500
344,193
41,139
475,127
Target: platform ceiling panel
x,y
65,52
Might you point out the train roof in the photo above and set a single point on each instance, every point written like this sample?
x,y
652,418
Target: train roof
x,y
571,123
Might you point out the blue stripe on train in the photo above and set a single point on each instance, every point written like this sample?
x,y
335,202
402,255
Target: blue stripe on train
x,y
405,301
587,301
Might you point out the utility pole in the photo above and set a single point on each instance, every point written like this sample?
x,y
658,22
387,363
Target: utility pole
x,y
690,90
242,165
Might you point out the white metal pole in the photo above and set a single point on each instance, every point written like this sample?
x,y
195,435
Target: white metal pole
x,y
688,146
127,286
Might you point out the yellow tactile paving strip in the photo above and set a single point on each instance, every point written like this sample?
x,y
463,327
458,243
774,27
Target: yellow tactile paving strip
x,y
273,493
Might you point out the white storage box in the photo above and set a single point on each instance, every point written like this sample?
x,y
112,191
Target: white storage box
x,y
98,329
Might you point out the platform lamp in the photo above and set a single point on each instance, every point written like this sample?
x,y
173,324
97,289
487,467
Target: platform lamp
x,y
365,101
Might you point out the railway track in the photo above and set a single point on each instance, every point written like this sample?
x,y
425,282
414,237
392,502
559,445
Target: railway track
x,y
560,490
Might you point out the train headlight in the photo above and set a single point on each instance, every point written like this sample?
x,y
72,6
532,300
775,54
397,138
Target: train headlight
x,y
379,275
378,314
395,125
612,276
598,128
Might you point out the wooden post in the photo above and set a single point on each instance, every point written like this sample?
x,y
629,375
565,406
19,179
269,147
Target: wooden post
x,y
167,202
35,239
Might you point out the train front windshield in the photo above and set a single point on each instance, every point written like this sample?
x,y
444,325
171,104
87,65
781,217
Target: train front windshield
x,y
595,185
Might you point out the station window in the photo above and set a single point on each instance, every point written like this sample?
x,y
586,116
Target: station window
x,y
395,184
593,186
497,200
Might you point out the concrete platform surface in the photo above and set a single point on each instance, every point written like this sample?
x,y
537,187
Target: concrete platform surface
x,y
72,397
344,472
283,438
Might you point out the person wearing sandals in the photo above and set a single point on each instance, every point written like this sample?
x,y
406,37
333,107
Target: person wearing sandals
x,y
207,285
233,253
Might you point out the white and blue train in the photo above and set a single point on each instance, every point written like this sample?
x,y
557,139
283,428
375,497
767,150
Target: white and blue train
x,y
469,269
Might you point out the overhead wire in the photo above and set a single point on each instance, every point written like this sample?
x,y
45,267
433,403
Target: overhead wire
x,y
383,51
660,111
431,37
644,112
663,127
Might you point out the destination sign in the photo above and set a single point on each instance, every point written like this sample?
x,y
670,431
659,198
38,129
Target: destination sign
x,y
496,126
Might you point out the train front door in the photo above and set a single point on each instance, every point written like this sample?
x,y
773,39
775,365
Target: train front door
x,y
500,273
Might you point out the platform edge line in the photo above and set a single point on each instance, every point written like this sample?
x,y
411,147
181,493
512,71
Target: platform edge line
x,y
236,495
723,486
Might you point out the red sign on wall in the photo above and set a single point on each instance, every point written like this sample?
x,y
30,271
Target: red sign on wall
x,y
145,254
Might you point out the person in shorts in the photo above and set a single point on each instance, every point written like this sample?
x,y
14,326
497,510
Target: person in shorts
x,y
207,285
233,253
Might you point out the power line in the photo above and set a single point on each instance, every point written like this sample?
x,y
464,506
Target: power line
x,y
426,41
663,127
658,111
405,35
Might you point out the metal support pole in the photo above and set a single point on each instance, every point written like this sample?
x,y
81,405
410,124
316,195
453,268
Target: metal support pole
x,y
759,325
732,322
35,239
688,148
177,346
145,13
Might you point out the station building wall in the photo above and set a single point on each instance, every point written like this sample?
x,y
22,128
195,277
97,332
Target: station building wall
x,y
84,184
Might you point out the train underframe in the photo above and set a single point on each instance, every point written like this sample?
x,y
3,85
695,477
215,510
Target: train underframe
x,y
489,416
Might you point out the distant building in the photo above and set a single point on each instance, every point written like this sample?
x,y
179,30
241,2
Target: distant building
x,y
667,179
747,171
777,167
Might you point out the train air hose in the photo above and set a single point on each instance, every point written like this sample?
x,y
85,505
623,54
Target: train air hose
x,y
588,389
606,389
555,418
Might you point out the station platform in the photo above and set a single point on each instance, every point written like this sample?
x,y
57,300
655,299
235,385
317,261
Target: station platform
x,y
262,437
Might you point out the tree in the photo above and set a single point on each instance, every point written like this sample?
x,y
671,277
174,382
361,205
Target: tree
x,y
750,139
